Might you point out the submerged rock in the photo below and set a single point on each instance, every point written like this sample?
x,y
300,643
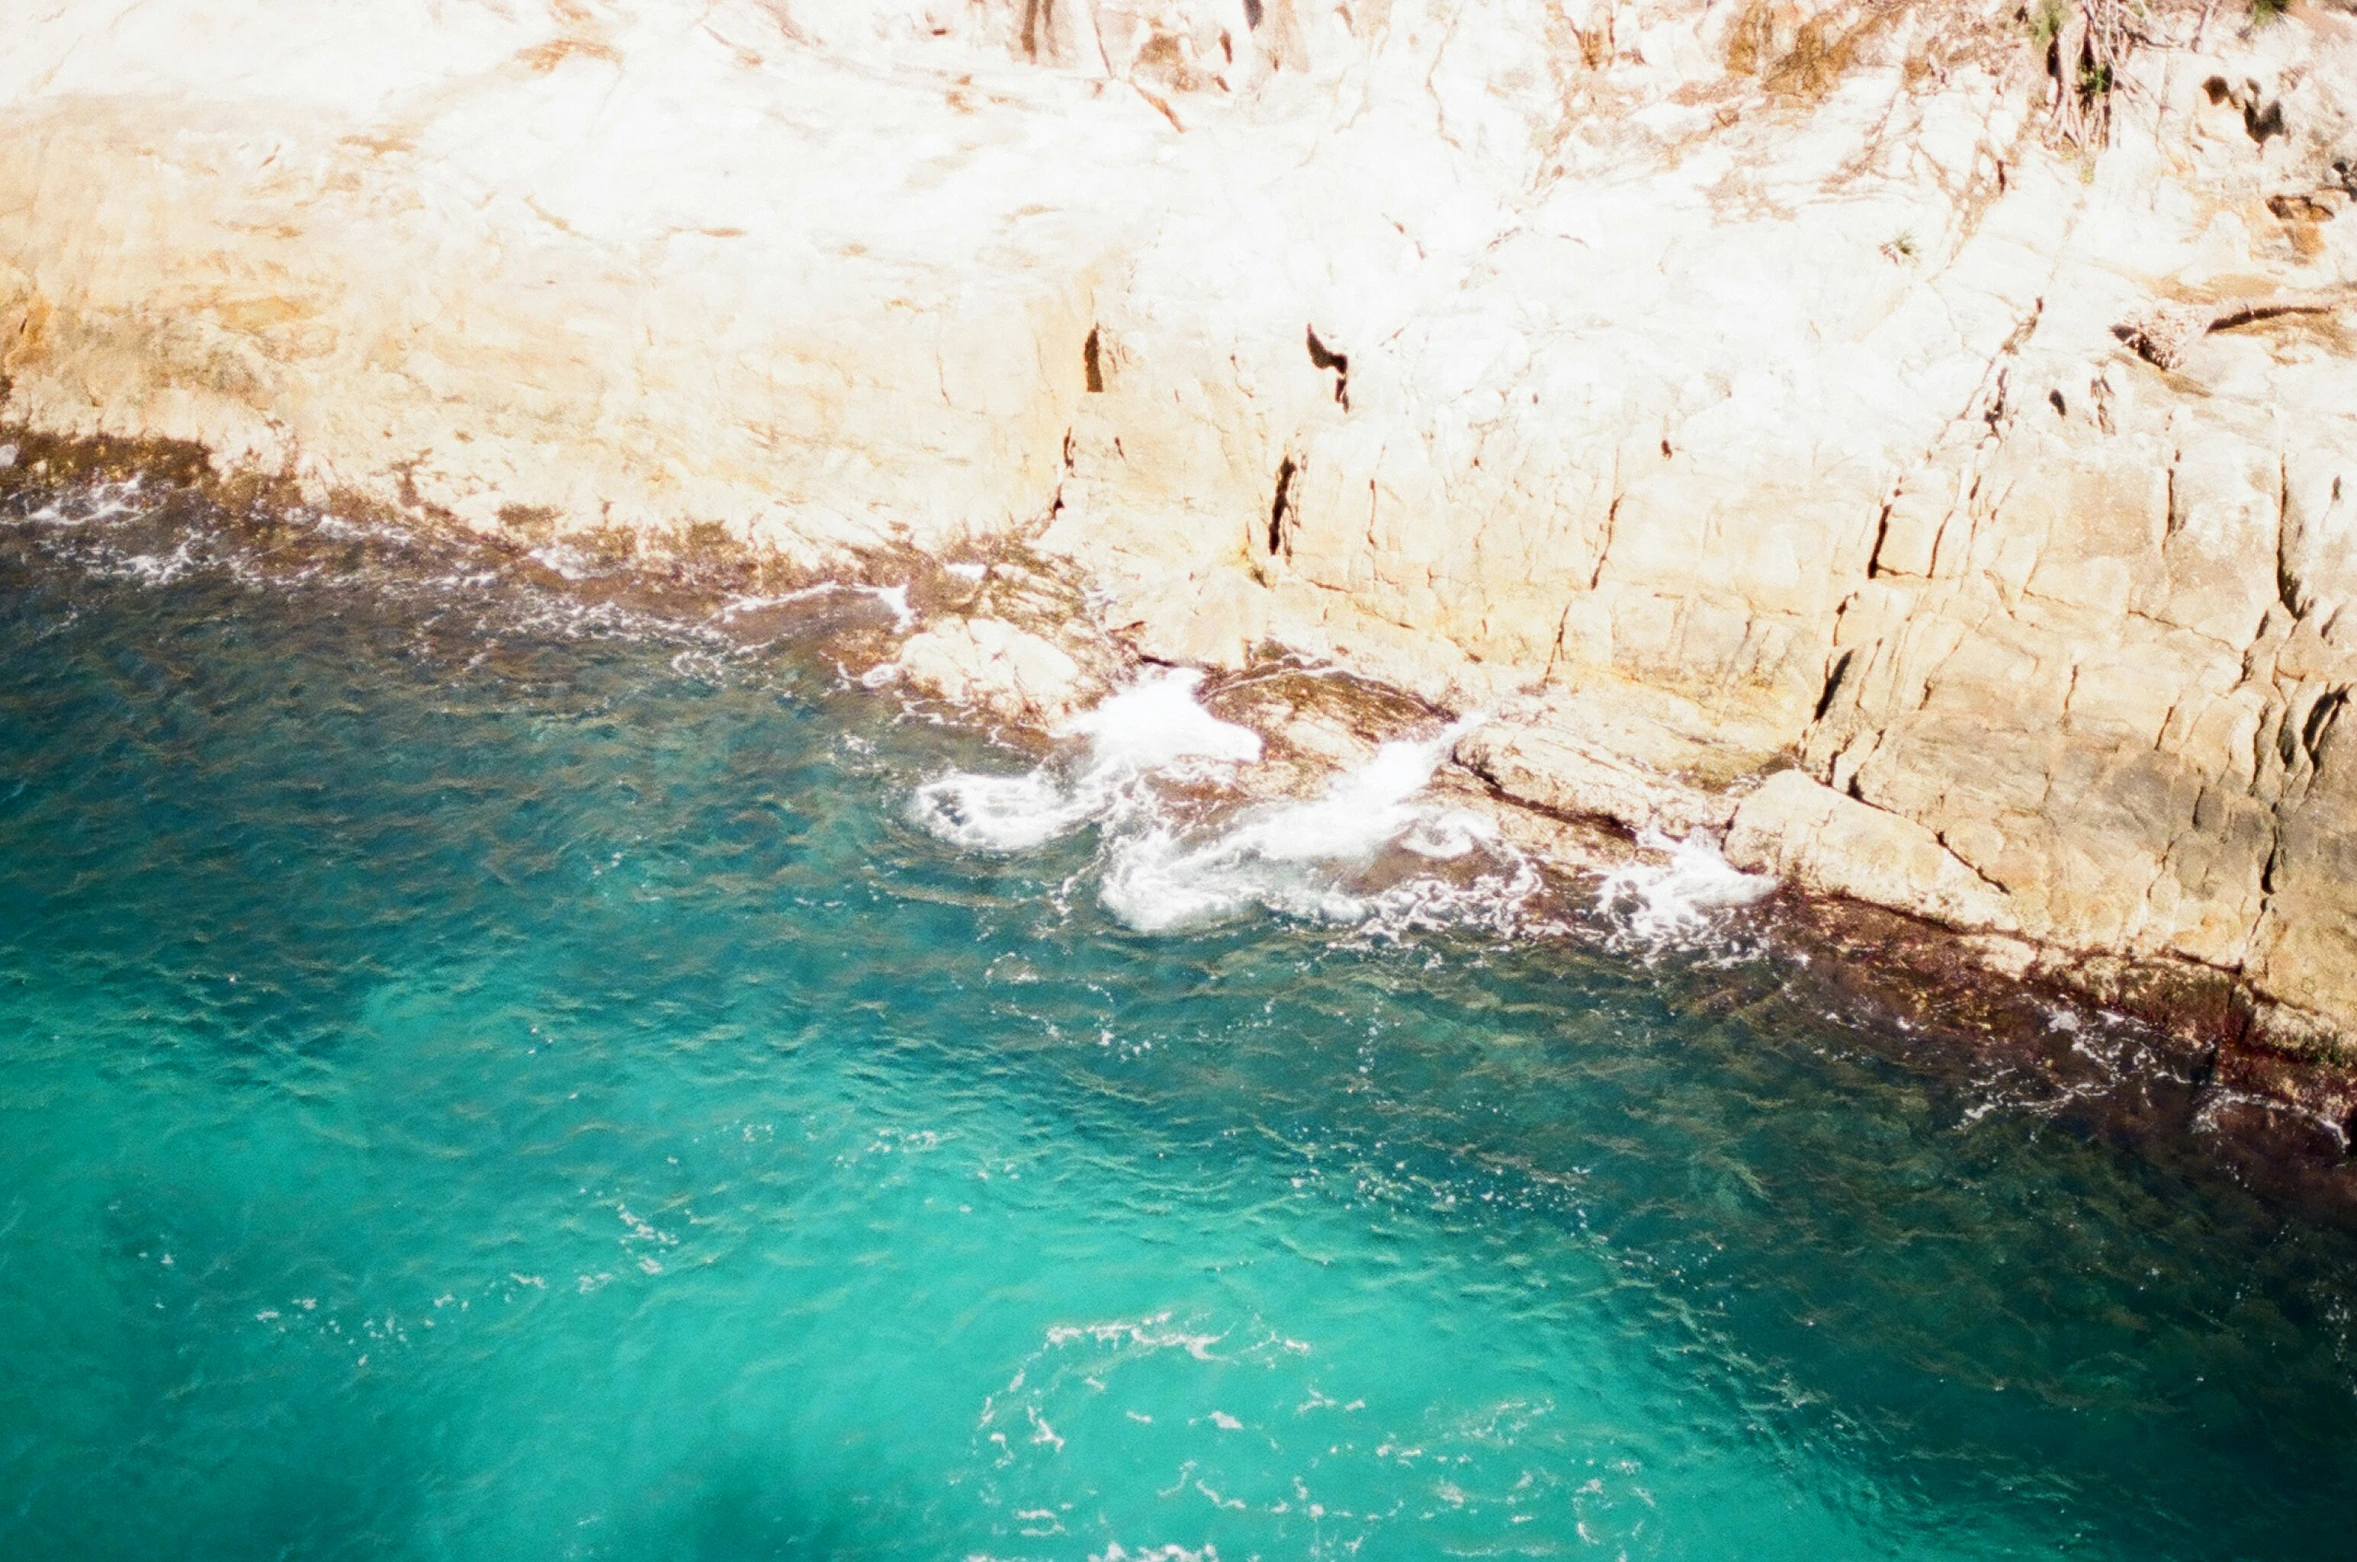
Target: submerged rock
x,y
1706,393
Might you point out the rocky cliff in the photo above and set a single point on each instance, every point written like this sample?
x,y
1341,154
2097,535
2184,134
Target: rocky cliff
x,y
1916,438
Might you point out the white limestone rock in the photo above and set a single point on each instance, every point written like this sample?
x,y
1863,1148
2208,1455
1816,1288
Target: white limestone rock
x,y
1704,393
1806,832
989,666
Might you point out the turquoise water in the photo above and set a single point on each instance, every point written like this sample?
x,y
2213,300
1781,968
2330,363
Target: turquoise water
x,y
487,1084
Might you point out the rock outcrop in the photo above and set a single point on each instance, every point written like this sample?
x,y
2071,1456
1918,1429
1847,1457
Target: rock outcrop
x,y
1919,436
990,665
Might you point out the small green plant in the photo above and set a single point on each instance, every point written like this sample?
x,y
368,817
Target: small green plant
x,y
2046,18
2266,11
1900,246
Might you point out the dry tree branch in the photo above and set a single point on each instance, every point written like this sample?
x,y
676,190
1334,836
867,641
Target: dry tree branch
x,y
2086,49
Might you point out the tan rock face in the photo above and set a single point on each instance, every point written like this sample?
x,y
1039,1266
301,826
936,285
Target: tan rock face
x,y
1702,392
988,665
1823,840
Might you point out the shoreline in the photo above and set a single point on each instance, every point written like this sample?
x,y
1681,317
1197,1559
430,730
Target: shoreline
x,y
2170,1055
1929,469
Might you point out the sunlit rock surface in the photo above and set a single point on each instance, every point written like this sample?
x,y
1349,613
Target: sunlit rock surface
x,y
1706,391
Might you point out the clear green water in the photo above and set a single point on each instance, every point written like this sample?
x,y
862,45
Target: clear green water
x,y
502,1092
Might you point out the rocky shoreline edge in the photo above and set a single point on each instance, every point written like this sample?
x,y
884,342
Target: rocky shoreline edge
x,y
1004,641
1914,445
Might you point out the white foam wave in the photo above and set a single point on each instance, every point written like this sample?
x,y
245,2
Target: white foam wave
x,y
1152,1333
1677,901
1161,870
1298,858
1000,813
95,504
894,599
154,569
1153,728
1156,724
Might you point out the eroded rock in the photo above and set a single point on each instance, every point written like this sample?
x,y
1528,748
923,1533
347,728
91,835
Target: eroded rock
x,y
1804,831
992,667
1703,398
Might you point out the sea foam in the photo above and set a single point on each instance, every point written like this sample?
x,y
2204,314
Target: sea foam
x,y
1677,900
1298,857
1152,729
1160,868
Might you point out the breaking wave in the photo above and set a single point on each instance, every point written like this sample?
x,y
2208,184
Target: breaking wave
x,y
1677,901
1151,731
1370,848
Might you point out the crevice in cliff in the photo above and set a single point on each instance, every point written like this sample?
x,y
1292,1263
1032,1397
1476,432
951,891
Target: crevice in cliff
x,y
2287,583
2259,121
1995,413
1281,509
1833,680
1323,357
2287,743
1092,361
2316,731
1976,870
1988,406
2172,517
2220,641
2258,764
1611,525
1555,646
1040,36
